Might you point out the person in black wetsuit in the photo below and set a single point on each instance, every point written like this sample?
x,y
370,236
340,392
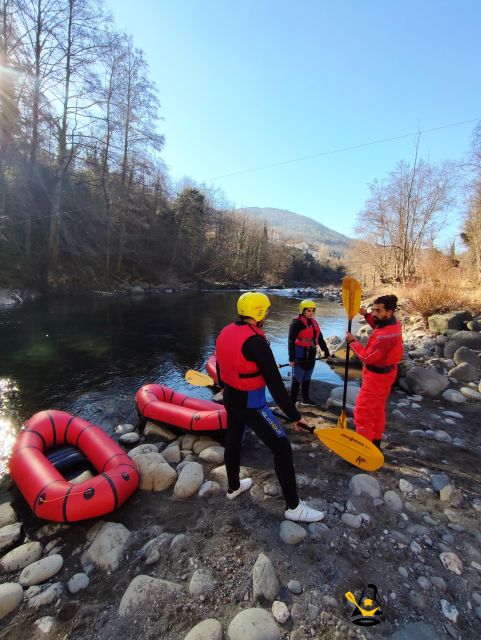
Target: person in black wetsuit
x,y
246,366
305,340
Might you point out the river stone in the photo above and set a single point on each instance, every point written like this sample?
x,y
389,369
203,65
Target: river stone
x,y
9,534
393,501
471,394
442,436
153,549
280,611
253,624
209,488
464,372
21,557
439,480
415,631
180,543
11,595
470,339
44,625
465,354
189,481
171,453
46,596
351,520
335,397
107,546
78,582
143,448
440,322
452,395
203,443
41,570
264,579
212,455
220,475
202,582
449,611
152,429
155,473
451,561
144,592
7,514
209,629
129,438
363,484
189,440
291,532
426,382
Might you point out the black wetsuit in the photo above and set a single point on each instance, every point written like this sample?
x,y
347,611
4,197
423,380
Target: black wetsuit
x,y
249,408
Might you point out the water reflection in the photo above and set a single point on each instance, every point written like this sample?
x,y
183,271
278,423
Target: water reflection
x,y
88,355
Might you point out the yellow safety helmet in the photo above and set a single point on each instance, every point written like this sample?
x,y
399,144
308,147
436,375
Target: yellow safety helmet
x,y
253,304
306,304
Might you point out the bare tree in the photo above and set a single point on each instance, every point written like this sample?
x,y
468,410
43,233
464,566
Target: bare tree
x,y
405,212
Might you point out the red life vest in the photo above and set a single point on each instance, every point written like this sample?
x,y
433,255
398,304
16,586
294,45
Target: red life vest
x,y
309,336
235,369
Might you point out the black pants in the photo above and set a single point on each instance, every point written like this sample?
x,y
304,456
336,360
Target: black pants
x,y
272,435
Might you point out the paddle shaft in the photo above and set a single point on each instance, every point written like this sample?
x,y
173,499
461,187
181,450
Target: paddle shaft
x,y
346,368
283,417
300,362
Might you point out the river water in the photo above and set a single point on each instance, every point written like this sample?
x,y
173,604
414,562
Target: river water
x,y
88,355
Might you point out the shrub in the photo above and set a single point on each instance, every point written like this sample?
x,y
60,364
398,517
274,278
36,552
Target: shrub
x,y
438,288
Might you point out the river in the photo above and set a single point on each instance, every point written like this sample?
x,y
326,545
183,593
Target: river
x,y
88,355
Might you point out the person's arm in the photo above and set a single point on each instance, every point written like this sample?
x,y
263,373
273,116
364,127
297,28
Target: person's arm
x,y
294,329
374,352
257,350
322,343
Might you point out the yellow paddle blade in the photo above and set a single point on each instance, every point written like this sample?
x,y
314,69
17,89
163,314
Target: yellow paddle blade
x,y
352,447
198,379
351,296
342,422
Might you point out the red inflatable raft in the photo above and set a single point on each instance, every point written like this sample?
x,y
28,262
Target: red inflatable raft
x,y
211,368
159,403
47,492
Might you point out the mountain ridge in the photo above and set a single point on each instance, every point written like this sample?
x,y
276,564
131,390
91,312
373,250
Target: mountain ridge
x,y
298,226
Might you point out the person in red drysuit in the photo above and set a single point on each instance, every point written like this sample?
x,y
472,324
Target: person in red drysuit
x,y
380,357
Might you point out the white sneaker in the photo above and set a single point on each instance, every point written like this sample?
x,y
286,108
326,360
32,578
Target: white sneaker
x,y
245,484
303,513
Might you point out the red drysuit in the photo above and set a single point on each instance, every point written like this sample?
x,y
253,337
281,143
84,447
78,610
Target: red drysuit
x,y
381,355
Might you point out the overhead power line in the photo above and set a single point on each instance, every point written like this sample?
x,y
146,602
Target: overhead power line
x,y
343,149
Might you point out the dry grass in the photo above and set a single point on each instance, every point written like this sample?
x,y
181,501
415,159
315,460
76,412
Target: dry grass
x,y
440,287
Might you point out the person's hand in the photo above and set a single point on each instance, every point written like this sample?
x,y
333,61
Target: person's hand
x,y
291,364
363,311
298,427
349,337
330,358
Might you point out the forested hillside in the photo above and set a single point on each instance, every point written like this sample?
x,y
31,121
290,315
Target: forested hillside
x,y
85,199
298,227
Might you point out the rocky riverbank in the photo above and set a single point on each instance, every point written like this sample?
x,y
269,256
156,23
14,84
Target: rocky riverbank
x,y
179,561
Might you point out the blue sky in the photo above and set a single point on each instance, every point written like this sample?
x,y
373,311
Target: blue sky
x,y
257,82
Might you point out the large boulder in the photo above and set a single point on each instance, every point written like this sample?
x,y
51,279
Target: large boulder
x,y
464,354
144,592
426,382
253,624
440,322
464,372
470,339
335,398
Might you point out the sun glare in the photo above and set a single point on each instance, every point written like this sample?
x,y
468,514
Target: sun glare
x,y
8,428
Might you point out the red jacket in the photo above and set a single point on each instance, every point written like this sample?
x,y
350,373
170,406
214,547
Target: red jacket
x,y
235,369
384,347
309,336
